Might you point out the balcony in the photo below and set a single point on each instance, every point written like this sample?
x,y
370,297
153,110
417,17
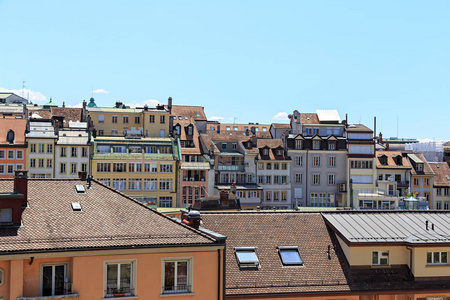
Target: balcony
x,y
195,178
404,184
239,168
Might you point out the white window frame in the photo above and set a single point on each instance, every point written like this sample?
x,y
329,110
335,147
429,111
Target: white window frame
x,y
54,264
380,257
7,169
190,273
21,154
13,154
133,263
433,262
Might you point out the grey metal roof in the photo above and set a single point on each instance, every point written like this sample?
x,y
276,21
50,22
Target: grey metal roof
x,y
72,140
408,227
415,158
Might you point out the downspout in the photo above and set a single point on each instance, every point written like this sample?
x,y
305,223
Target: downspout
x,y
224,274
218,274
307,179
410,261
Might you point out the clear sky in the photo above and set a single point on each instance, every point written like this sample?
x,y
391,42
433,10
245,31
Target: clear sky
x,y
255,61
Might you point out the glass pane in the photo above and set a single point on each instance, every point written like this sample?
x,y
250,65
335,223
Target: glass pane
x,y
111,278
290,256
169,276
182,278
444,257
247,256
383,261
59,280
47,281
125,277
436,257
429,260
374,258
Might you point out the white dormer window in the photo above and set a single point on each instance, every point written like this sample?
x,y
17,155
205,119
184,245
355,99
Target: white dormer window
x,y
298,144
316,145
419,167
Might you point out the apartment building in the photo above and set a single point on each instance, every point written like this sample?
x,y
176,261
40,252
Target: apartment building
x,y
441,185
253,129
72,150
277,130
41,139
11,98
143,168
12,145
318,151
121,120
355,255
422,178
273,174
234,160
73,239
361,167
196,174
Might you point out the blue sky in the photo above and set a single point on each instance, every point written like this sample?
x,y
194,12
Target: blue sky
x,y
255,61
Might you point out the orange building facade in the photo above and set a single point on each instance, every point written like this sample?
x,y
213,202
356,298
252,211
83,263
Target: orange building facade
x,y
12,146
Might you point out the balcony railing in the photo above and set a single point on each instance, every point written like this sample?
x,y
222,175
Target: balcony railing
x,y
177,289
122,292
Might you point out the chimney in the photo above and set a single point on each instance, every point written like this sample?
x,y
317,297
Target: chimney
x,y
191,218
21,184
224,195
64,104
374,127
218,128
145,107
84,104
169,105
380,138
82,175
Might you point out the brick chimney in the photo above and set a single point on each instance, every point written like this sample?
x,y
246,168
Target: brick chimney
x,y
21,184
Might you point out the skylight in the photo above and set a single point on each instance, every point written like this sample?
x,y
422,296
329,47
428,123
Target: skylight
x,y
246,257
80,188
290,256
76,206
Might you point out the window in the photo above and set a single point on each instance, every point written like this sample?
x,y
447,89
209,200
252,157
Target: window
x,y
426,181
73,168
150,149
62,168
49,148
268,179
114,132
276,196
316,179
283,196
41,148
316,145
438,192
224,146
269,166
101,118
166,168
416,181
6,215
32,149
152,118
361,164
10,169
177,276
268,196
234,146
299,160
125,119
84,167
332,161
41,163
134,167
446,191
419,167
135,184
137,120
32,163
119,149
276,166
165,201
74,152
101,132
380,258
19,167
103,167
265,151
246,257
331,179
165,184
235,128
298,144
53,279
10,154
260,166
105,181
162,119
10,137
437,258
331,146
299,178
19,154
2,153
316,161
151,167
120,278
84,152
150,184
119,167
228,128
290,256
120,184
114,119
63,152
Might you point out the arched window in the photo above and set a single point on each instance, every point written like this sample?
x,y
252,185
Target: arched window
x,y
10,136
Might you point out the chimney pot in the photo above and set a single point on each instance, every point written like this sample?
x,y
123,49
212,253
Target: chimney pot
x,y
21,184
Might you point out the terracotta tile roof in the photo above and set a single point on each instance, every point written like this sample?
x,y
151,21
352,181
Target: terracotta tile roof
x,y
281,126
108,219
272,144
69,114
441,173
359,128
320,274
195,112
391,163
19,127
208,140
309,119
426,167
44,113
184,137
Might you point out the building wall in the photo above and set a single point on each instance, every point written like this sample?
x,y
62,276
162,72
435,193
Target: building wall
x,y
422,189
68,160
87,273
441,201
15,162
420,268
49,172
271,187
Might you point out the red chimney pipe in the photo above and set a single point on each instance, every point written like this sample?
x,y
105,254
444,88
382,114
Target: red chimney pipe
x,y
21,184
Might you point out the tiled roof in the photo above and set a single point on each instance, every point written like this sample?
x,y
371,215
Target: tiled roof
x,y
309,119
281,126
19,127
441,173
184,137
391,163
272,144
426,167
108,219
208,140
195,112
320,274
69,114
359,128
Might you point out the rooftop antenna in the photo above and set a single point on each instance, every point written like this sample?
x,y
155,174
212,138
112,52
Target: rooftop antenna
x,y
397,126
23,89
234,120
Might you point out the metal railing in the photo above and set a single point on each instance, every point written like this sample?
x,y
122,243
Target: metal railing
x,y
176,289
112,292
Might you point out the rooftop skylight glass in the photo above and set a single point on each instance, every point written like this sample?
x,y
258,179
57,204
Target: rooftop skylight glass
x,y
290,256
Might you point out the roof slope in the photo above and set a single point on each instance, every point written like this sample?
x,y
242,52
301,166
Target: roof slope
x,y
19,126
391,163
108,219
441,174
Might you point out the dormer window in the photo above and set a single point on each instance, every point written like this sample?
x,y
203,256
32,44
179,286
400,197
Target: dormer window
x,y
419,167
398,160
10,137
246,257
383,160
177,130
190,131
316,145
331,145
298,144
265,151
279,152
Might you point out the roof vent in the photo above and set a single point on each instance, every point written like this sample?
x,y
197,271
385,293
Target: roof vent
x,y
80,188
76,206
